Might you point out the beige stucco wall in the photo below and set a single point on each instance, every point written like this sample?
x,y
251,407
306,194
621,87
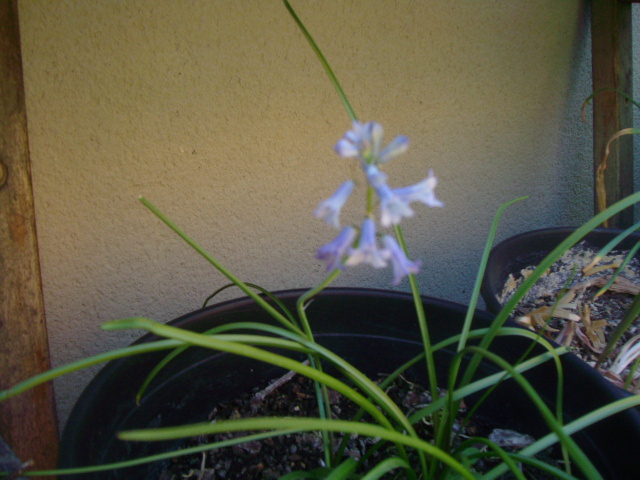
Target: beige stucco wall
x,y
219,113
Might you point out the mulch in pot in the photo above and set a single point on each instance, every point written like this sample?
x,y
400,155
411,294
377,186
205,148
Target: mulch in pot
x,y
564,305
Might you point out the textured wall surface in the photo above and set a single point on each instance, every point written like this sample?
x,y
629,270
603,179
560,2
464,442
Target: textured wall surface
x,y
219,113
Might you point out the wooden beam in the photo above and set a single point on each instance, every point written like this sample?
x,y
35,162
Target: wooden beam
x,y
27,422
612,68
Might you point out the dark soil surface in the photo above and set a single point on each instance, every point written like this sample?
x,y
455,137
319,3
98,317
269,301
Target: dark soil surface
x,y
275,457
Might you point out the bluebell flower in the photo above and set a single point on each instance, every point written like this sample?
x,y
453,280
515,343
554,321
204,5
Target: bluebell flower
x,y
367,250
375,176
329,209
359,142
365,141
394,203
402,266
397,146
421,192
392,207
334,251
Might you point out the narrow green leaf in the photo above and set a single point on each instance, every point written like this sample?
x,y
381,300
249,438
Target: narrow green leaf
x,y
323,61
244,350
574,450
218,266
606,89
475,294
86,363
495,450
222,328
629,317
344,470
613,243
571,428
262,290
386,466
303,424
153,458
630,255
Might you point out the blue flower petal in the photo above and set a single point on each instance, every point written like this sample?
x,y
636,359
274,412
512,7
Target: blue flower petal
x,y
402,266
421,192
329,209
334,251
367,250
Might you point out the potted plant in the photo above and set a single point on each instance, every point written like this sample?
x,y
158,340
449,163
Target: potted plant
x,y
352,323
521,251
471,365
585,301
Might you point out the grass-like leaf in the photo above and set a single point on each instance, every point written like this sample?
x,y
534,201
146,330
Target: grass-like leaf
x,y
323,61
151,458
629,317
386,466
221,268
86,363
613,243
571,428
572,447
303,425
262,290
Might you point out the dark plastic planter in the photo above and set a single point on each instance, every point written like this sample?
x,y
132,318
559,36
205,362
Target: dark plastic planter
x,y
376,330
517,252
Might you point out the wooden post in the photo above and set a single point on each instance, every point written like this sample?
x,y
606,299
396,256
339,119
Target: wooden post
x,y
27,422
612,67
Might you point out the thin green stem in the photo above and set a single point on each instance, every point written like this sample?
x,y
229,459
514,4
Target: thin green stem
x,y
480,273
426,339
301,303
422,322
322,395
370,200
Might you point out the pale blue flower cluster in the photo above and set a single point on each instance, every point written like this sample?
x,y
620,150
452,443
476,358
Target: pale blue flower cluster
x,y
351,247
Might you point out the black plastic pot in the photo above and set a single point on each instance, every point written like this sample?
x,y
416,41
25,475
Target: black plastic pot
x,y
375,330
529,248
